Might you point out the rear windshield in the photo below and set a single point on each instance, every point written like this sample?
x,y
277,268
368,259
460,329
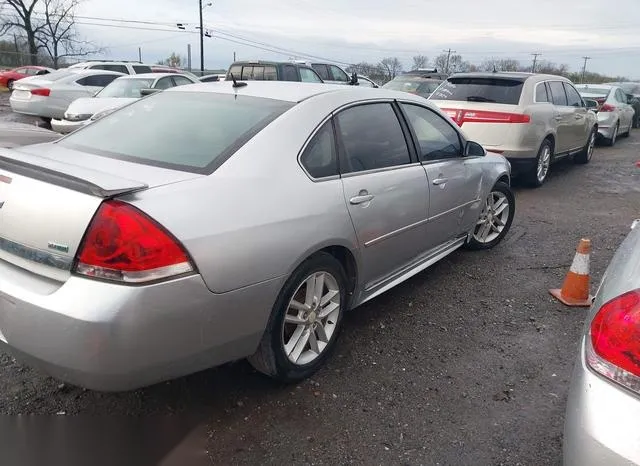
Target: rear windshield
x,y
140,69
493,90
603,91
413,84
189,131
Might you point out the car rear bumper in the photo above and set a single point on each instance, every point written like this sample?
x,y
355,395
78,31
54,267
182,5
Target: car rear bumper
x,y
65,126
110,337
606,124
35,106
601,421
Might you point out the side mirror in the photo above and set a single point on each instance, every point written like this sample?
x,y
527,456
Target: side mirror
x,y
145,92
473,149
591,104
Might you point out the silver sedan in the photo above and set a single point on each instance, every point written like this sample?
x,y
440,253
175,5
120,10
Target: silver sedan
x,y
213,222
615,114
603,407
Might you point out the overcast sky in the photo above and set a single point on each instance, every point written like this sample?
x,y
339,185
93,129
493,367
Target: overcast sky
x,y
351,31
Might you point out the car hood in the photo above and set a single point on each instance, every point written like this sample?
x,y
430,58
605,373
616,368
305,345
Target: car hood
x,y
93,105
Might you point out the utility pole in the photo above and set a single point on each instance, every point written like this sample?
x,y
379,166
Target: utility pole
x,y
535,60
140,54
449,52
584,68
234,56
188,57
201,39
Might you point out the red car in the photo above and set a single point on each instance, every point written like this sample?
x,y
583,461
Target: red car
x,y
8,77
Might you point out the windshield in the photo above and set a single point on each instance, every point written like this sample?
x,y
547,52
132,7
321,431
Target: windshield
x,y
480,89
190,131
413,84
129,87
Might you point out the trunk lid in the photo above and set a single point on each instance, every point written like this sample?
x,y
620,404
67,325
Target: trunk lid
x,y
48,196
484,123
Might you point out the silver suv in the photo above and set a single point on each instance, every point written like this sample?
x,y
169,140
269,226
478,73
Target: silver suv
x,y
531,119
126,67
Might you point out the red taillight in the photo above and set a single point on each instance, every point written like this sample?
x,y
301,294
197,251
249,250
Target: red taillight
x,y
607,108
484,116
614,349
124,244
43,91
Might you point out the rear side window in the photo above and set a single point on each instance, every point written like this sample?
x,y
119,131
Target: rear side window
x,y
480,89
164,83
270,73
289,73
181,80
541,93
558,95
371,137
573,98
307,75
211,128
139,69
247,72
97,80
319,157
236,71
322,71
109,67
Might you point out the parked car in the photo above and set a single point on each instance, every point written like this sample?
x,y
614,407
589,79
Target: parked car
x,y
419,82
603,405
119,93
8,77
615,114
532,119
124,67
210,78
168,69
272,71
49,96
632,90
364,81
161,239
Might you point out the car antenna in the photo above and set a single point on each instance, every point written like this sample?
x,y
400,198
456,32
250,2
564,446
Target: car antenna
x,y
236,83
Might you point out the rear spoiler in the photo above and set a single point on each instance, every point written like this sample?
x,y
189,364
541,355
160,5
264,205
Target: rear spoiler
x,y
68,176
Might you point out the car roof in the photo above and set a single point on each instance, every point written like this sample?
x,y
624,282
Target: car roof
x,y
151,75
83,71
290,91
268,62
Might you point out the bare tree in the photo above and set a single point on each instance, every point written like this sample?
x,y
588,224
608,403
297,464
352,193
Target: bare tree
x,y
504,64
174,61
22,18
58,35
455,63
392,66
419,62
374,71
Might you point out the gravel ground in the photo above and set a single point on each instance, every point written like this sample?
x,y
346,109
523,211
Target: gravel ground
x,y
466,363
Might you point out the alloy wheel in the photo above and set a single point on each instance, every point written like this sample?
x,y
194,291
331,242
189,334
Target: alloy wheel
x,y
591,146
493,218
311,318
544,162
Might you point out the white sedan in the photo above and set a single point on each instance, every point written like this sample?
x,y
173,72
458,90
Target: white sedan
x,y
48,96
119,93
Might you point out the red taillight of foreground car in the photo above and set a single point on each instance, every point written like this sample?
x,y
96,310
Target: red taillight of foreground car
x,y
482,116
607,108
124,244
614,346
43,91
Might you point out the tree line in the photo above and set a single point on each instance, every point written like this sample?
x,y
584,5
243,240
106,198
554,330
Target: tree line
x,y
43,31
389,67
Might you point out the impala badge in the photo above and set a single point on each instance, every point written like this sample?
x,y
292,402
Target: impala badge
x,y
58,247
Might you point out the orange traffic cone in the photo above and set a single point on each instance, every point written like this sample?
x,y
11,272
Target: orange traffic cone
x,y
575,289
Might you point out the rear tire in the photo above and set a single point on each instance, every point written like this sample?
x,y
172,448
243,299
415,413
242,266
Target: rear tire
x,y
495,219
636,120
538,174
614,137
278,354
585,155
10,84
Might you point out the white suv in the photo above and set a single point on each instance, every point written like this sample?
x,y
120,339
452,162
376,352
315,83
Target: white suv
x,y
126,67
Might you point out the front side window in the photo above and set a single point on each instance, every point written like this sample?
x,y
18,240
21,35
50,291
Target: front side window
x,y
573,98
307,75
289,73
437,138
164,83
181,80
125,88
558,96
371,138
319,157
338,75
322,71
147,133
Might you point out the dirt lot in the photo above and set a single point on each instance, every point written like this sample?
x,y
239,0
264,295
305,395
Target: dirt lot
x,y
466,363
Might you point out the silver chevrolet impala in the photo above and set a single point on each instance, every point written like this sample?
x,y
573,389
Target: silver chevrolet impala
x,y
214,222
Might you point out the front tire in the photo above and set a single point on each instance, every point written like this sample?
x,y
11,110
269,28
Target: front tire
x,y
585,155
305,321
495,219
539,172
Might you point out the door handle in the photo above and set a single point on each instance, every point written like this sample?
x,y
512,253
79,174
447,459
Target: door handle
x,y
579,117
558,118
439,181
362,197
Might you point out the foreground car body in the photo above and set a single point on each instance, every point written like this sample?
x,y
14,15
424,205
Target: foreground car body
x,y
49,96
532,119
182,253
604,399
615,115
119,93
